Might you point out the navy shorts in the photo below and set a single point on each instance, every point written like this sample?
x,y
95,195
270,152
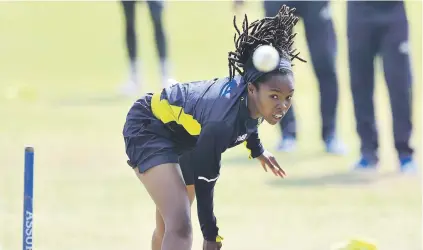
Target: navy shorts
x,y
149,142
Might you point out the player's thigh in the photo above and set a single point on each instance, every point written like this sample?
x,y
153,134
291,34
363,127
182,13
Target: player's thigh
x,y
152,155
166,187
156,165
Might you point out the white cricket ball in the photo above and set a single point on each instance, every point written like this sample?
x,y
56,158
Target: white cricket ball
x,y
266,58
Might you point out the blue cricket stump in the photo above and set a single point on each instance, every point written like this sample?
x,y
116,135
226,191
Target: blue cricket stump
x,y
28,198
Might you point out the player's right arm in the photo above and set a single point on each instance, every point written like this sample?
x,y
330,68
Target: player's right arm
x,y
205,159
254,145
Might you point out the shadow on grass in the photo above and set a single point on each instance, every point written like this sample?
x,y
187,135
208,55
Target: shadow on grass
x,y
333,179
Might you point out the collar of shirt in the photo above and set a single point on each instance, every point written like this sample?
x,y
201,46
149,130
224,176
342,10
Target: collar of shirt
x,y
245,113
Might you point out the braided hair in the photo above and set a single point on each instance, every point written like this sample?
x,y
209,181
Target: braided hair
x,y
275,31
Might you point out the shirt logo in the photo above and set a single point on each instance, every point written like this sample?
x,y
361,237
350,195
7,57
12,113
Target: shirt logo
x,y
241,138
227,88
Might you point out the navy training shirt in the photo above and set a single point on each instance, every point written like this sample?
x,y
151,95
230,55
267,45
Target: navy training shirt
x,y
213,116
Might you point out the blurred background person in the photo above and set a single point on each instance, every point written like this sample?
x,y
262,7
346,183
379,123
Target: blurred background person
x,y
132,86
380,28
321,41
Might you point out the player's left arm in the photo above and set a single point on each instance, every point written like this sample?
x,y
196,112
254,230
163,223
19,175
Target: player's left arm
x,y
266,158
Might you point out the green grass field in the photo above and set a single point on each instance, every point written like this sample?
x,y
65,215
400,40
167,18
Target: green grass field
x,y
66,60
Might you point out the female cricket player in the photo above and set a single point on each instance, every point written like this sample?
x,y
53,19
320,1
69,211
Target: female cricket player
x,y
174,139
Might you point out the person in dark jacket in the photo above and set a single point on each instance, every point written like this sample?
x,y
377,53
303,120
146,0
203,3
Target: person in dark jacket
x,y
380,28
322,44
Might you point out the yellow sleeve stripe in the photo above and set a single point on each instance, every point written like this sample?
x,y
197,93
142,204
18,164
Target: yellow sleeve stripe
x,y
166,112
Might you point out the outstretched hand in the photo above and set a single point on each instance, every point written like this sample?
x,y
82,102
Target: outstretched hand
x,y
212,245
268,160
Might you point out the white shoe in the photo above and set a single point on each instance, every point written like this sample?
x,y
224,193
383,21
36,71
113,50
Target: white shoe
x,y
130,88
287,145
408,166
335,146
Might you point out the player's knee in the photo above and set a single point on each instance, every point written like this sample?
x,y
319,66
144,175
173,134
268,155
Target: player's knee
x,y
180,224
183,229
